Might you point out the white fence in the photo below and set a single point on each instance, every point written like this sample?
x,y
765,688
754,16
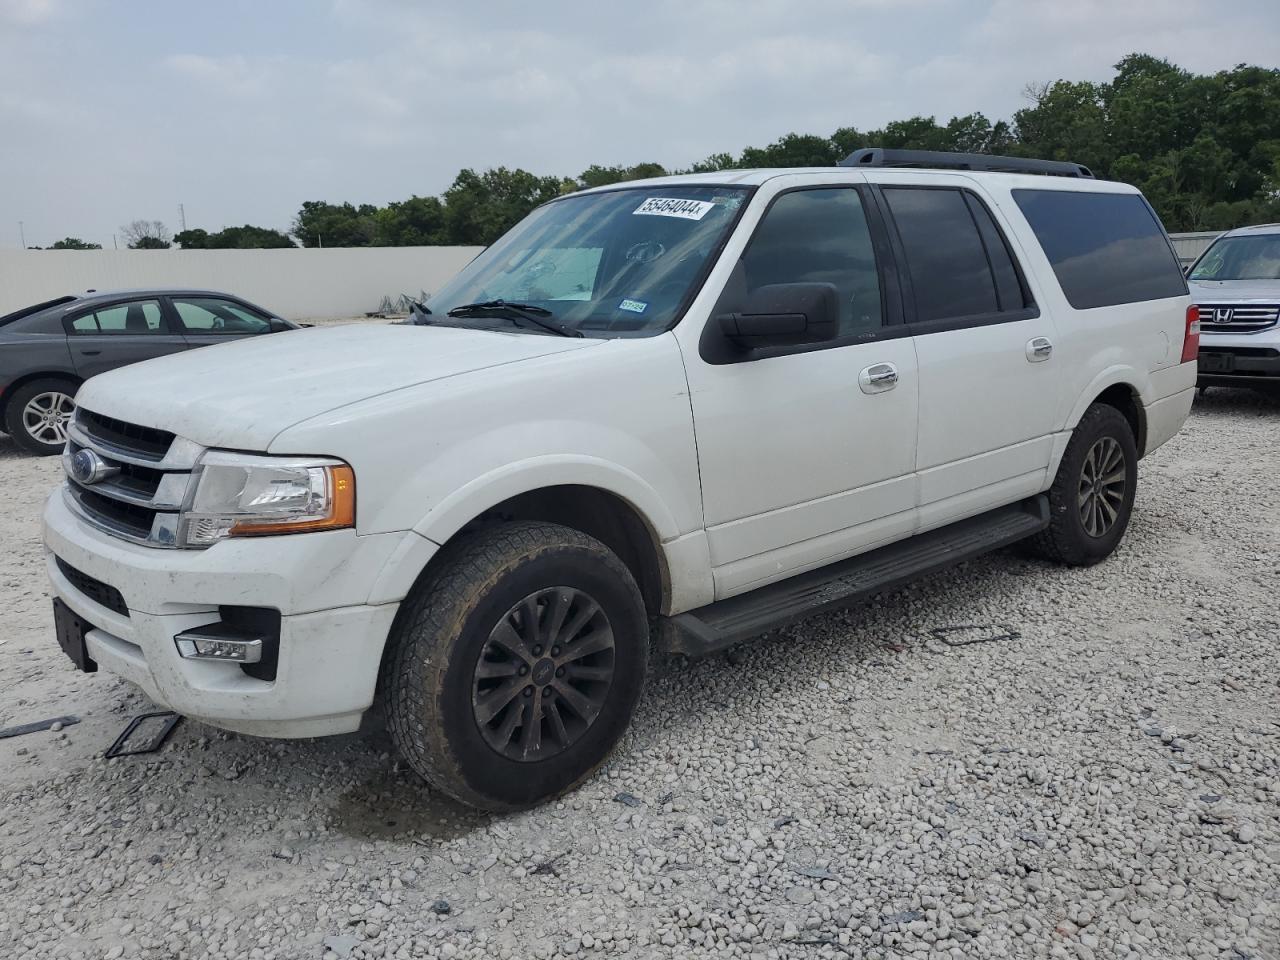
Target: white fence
x,y
297,284
1188,246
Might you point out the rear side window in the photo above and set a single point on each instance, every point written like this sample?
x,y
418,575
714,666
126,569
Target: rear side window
x,y
140,317
951,275
1105,248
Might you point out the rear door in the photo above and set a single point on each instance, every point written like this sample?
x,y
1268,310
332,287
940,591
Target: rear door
x,y
207,320
112,335
989,383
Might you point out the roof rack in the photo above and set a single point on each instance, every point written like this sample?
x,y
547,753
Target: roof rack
x,y
880,157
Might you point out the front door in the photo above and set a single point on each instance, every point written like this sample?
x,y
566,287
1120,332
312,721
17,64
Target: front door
x,y
807,453
117,334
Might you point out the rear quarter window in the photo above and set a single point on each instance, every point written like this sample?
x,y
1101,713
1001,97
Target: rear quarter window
x,y
1105,248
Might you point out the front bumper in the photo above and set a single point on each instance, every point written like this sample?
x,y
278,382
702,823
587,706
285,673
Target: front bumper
x,y
1240,359
331,638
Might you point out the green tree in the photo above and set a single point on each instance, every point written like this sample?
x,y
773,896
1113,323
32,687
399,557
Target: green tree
x,y
418,221
73,243
480,207
321,224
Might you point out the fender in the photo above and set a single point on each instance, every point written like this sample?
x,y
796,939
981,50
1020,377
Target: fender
x,y
469,501
1122,373
1125,373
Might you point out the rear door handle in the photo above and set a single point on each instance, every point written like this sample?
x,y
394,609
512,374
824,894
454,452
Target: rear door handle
x,y
878,378
1039,349
90,353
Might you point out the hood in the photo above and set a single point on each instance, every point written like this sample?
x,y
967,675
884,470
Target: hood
x,y
1235,291
242,394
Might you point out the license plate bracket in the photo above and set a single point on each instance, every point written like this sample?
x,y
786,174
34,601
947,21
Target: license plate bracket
x,y
1217,362
71,631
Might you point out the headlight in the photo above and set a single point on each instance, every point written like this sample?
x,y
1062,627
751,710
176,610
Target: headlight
x,y
238,495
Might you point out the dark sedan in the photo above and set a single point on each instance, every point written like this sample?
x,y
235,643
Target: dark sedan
x,y
48,349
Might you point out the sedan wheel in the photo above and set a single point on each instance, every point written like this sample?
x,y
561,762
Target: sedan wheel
x,y
47,416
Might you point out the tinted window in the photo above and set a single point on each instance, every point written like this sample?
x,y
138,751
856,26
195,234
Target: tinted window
x,y
33,309
139,317
1009,289
819,236
211,315
947,262
1105,248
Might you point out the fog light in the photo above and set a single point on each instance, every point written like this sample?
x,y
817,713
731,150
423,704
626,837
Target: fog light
x,y
213,643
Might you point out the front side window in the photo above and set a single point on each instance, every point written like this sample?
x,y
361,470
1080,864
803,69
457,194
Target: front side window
x,y
213,315
1105,248
946,258
1241,258
138,317
820,236
613,264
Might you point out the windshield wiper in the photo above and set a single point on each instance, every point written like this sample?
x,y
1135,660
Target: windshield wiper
x,y
538,316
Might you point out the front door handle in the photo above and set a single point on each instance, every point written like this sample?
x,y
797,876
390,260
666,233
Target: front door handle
x,y
1039,349
878,378
89,353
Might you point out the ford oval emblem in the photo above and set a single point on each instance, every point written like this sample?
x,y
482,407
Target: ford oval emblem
x,y
87,468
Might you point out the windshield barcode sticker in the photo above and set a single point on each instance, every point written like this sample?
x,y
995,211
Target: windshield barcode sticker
x,y
673,207
635,306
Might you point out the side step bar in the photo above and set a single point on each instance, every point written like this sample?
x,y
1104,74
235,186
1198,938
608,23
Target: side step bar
x,y
726,622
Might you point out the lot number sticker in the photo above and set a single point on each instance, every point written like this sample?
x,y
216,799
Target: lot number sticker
x,y
673,207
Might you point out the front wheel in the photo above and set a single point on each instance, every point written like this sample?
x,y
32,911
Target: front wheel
x,y
39,413
515,666
1092,495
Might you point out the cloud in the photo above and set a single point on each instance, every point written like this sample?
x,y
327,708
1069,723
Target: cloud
x,y
29,11
241,112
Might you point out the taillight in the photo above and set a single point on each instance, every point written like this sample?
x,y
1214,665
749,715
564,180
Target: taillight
x,y
1191,341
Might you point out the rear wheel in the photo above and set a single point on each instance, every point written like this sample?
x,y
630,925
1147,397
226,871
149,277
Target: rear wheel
x,y
39,413
515,667
1092,495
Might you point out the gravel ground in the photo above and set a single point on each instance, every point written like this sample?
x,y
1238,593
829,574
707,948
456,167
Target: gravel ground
x,y
1105,783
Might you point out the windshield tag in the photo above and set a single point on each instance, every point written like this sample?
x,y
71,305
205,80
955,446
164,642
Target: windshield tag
x,y
635,306
674,207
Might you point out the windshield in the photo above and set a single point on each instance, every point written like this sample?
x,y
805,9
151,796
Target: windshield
x,y
1241,258
614,264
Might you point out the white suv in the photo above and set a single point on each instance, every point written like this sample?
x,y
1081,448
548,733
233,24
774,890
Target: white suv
x,y
1236,283
693,408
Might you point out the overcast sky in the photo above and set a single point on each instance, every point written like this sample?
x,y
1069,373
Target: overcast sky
x,y
243,109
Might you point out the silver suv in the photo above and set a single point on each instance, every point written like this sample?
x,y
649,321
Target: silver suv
x,y
1236,282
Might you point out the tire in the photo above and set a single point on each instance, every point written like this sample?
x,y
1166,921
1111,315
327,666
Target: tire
x,y
1082,530
447,684
24,420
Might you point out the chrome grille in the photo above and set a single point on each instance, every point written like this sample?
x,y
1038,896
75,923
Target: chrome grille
x,y
1237,317
150,474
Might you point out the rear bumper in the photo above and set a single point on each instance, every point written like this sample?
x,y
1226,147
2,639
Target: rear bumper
x,y
330,644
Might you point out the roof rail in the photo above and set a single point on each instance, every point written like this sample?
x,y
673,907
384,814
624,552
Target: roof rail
x,y
880,157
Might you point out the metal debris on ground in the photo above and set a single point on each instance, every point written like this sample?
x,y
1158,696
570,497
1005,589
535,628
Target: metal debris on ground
x,y
816,873
965,634
628,799
51,724
167,721
907,916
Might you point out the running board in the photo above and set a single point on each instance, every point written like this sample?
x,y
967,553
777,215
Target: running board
x,y
726,622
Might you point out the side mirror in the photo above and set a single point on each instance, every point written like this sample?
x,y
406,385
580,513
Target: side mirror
x,y
783,315
279,326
